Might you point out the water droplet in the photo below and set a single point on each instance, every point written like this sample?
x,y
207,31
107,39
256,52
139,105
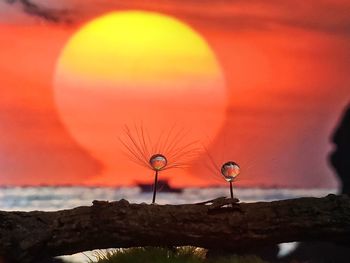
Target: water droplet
x,y
158,162
230,170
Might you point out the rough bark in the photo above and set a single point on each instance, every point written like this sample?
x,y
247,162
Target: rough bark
x,y
33,236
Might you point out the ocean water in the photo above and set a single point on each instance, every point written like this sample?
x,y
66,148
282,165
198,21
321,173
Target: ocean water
x,y
57,198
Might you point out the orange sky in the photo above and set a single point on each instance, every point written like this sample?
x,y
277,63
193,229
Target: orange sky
x,y
287,83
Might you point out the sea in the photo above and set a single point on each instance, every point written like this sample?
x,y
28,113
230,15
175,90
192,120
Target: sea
x,y
49,198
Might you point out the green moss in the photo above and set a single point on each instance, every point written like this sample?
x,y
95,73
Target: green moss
x,y
164,255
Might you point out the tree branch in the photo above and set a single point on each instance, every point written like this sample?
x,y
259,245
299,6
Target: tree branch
x,y
220,224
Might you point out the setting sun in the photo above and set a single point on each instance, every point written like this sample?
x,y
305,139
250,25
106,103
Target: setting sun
x,y
116,48
134,67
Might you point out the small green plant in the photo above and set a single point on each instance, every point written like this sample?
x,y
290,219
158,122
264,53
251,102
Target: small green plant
x,y
150,255
165,255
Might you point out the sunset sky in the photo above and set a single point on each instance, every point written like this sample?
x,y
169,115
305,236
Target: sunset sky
x,y
261,83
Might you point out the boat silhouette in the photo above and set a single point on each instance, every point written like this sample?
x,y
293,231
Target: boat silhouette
x,y
163,186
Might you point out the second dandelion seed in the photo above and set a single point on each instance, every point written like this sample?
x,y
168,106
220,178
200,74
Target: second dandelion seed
x,y
230,170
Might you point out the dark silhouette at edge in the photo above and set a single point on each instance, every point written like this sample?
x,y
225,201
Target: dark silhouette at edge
x,y
340,157
327,252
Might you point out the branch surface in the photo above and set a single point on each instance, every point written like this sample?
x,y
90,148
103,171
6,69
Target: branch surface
x,y
217,224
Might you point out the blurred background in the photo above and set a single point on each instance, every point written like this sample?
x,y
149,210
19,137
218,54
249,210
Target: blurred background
x,y
263,84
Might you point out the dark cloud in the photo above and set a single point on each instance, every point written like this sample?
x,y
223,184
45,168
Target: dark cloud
x,y
48,14
323,15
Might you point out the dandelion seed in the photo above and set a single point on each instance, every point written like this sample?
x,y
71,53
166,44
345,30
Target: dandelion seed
x,y
169,151
158,162
230,170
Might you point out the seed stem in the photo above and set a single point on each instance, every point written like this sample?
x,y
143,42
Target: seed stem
x,y
155,187
231,189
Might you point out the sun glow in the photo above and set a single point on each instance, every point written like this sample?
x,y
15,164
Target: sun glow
x,y
131,67
152,39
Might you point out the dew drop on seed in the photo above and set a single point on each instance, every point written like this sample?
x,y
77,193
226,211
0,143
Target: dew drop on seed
x,y
158,162
230,170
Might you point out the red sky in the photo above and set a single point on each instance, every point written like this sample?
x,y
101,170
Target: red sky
x,y
286,67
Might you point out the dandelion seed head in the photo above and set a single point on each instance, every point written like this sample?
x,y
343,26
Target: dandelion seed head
x,y
158,162
230,170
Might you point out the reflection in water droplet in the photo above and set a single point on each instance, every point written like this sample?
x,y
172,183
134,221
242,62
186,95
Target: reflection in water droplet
x,y
158,162
230,170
